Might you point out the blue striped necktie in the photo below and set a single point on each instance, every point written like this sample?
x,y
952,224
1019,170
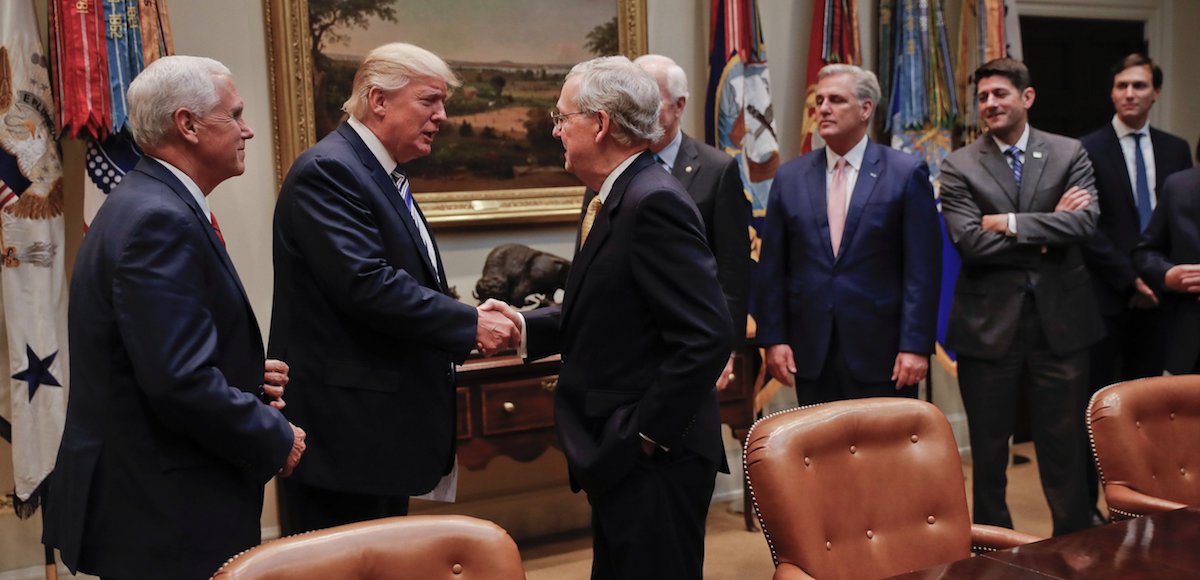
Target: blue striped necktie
x,y
1014,155
401,182
1143,182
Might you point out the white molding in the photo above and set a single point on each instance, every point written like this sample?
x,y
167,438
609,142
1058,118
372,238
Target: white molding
x,y
1157,16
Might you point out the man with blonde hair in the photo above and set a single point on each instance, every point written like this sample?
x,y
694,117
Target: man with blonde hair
x,y
362,308
170,432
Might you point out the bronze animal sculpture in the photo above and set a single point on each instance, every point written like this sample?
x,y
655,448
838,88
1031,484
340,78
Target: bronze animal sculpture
x,y
521,276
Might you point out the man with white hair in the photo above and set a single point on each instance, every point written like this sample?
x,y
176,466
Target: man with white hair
x,y
850,268
171,432
712,179
643,331
362,308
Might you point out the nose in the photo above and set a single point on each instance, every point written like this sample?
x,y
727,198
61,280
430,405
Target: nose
x,y
439,113
247,132
557,131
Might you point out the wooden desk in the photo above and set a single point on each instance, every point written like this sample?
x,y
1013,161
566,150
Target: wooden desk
x,y
1165,545
506,408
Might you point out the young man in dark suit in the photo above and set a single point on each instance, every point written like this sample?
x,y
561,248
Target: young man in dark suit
x,y
171,432
850,268
362,308
643,331
1019,204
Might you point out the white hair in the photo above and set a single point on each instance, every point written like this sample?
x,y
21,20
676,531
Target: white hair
x,y
865,84
390,67
676,79
628,94
167,85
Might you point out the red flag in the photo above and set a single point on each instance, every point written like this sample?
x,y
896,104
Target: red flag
x,y
834,38
79,54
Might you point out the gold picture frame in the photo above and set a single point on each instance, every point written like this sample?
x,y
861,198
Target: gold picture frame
x,y
292,116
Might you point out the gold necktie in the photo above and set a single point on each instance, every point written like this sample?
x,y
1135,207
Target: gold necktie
x,y
589,217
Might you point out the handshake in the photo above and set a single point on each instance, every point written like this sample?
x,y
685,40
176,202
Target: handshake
x,y
498,328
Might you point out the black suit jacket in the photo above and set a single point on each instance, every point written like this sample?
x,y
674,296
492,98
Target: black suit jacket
x,y
166,447
367,327
1108,251
1172,238
643,331
712,179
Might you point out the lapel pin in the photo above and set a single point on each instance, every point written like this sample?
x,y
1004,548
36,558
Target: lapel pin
x,y
687,169
873,175
1037,154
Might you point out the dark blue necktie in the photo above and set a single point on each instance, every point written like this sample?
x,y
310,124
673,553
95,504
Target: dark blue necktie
x,y
1143,182
1015,164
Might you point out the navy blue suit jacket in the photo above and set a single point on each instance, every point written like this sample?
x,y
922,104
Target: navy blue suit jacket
x,y
1172,238
166,447
369,331
881,291
1118,230
644,331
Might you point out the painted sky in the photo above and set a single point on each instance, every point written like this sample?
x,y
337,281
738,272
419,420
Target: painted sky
x,y
526,31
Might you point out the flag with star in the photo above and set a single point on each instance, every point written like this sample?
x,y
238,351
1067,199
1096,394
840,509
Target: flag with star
x,y
33,400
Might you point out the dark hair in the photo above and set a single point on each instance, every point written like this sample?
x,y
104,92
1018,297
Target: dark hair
x,y
1013,70
1137,59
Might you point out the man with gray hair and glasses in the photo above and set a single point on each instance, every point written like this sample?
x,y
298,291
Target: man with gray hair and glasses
x,y
850,269
172,424
643,331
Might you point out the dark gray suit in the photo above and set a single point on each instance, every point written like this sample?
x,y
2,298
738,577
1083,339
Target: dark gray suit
x,y
1023,315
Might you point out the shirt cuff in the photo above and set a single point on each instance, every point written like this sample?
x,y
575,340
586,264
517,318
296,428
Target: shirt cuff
x,y
523,348
1012,225
653,442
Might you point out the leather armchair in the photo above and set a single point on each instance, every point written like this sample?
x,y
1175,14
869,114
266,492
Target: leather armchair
x,y
866,488
401,548
1145,435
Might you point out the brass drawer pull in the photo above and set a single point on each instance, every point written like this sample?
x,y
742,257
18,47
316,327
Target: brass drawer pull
x,y
550,384
509,407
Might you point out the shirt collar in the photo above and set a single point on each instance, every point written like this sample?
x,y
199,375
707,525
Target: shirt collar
x,y
671,151
1123,130
1022,143
373,144
612,177
187,184
854,156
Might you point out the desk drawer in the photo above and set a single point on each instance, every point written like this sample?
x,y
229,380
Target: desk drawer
x,y
518,405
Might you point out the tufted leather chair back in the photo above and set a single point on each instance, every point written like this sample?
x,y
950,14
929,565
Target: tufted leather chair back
x,y
865,488
400,548
1146,438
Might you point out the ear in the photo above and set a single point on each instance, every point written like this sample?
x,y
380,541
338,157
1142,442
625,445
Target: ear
x,y
1028,96
868,107
681,104
377,100
603,125
185,125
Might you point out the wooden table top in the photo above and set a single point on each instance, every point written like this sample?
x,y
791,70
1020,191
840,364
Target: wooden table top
x,y
1165,545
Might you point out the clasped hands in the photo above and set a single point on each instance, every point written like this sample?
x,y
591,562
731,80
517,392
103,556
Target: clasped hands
x,y
1075,199
275,378
498,327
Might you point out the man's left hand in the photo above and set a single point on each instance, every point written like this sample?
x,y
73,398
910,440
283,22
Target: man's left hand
x,y
910,369
275,378
995,222
726,375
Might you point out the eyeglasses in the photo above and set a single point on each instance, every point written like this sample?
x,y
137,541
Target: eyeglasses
x,y
560,118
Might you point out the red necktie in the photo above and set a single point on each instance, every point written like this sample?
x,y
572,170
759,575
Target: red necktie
x,y
216,227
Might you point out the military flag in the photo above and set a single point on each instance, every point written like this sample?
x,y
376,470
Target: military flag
x,y
834,39
32,283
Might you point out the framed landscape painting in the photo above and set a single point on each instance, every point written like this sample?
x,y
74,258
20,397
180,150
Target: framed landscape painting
x,y
494,159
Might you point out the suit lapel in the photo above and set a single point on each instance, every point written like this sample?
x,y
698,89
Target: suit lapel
x,y
1036,156
388,188
864,187
1113,154
995,163
156,170
600,230
687,162
814,186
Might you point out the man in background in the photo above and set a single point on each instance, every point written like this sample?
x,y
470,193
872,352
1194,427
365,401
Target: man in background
x,y
1019,205
1131,160
712,178
1168,259
170,432
850,269
643,330
362,308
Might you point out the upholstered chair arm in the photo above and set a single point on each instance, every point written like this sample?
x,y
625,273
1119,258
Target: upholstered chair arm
x,y
785,571
1125,503
991,538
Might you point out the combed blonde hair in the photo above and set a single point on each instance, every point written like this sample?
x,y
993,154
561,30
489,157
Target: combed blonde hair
x,y
390,67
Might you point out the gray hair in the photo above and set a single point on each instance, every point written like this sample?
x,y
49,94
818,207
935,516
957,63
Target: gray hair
x,y
657,64
628,94
390,67
167,85
866,85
